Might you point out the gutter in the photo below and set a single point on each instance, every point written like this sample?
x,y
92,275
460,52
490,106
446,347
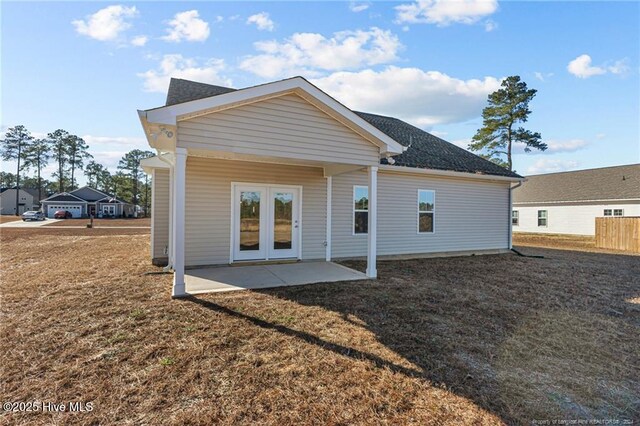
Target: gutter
x,y
447,173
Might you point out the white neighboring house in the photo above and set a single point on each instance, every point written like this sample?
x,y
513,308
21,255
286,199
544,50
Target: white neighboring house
x,y
87,201
284,171
569,202
8,201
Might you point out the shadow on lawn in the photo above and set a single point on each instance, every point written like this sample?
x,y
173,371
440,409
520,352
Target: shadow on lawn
x,y
523,338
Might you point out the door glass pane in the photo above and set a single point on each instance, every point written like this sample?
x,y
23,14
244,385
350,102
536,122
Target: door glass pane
x,y
282,217
249,220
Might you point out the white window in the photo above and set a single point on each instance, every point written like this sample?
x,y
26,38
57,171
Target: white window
x,y
618,212
426,211
360,209
607,212
515,218
542,218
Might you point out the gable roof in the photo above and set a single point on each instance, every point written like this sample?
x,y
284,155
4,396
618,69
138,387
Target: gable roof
x,y
96,195
423,150
156,120
607,183
64,196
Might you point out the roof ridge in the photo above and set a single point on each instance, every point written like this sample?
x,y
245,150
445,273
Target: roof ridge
x,y
585,170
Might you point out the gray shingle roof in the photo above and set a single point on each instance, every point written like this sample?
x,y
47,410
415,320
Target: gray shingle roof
x,y
608,183
184,91
425,150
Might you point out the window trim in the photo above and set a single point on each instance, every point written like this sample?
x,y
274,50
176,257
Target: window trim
x,y
517,212
433,221
604,212
546,218
618,215
353,210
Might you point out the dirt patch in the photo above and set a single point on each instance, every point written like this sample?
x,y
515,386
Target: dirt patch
x,y
562,242
9,218
475,340
104,223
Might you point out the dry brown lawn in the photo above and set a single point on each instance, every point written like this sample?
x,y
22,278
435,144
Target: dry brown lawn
x,y
474,340
562,242
9,218
104,223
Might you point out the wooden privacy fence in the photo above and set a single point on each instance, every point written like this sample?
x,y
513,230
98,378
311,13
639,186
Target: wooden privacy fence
x,y
618,233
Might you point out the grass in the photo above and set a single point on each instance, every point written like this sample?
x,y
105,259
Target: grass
x,y
475,340
104,223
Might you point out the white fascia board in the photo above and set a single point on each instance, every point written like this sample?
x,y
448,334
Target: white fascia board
x,y
170,115
447,173
155,162
612,200
65,193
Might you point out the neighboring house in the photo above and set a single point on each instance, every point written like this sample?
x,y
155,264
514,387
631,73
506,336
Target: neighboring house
x,y
87,201
569,202
282,170
8,201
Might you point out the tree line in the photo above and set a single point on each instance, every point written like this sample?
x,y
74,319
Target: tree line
x,y
70,154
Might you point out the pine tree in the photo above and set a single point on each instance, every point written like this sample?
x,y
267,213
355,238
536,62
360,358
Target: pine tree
x,y
507,107
37,156
77,153
58,141
13,147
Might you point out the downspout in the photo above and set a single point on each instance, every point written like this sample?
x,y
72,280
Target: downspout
x,y
511,188
169,266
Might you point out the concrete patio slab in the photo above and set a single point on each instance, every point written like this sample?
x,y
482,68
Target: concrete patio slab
x,y
230,278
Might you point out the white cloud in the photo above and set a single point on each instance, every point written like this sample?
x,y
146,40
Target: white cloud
x,y
581,67
180,67
106,24
262,21
554,147
424,98
542,76
490,25
359,6
619,67
547,165
187,26
112,141
306,53
139,41
445,12
601,136
461,143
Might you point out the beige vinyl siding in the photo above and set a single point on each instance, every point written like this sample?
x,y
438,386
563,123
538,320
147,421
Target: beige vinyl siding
x,y
469,215
286,127
160,213
208,200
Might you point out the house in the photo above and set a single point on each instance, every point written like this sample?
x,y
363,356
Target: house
x,y
87,201
8,201
569,202
284,171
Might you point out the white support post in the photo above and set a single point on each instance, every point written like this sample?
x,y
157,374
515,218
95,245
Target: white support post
x,y
171,207
372,272
329,215
179,178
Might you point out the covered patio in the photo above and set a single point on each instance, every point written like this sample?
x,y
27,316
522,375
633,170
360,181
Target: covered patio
x,y
230,278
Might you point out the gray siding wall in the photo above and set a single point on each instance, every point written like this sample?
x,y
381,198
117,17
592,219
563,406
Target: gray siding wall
x,y
160,213
469,215
87,194
287,126
208,200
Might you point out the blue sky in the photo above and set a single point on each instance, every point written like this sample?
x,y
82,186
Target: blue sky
x,y
87,67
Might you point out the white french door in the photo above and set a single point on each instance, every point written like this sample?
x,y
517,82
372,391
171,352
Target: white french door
x,y
266,222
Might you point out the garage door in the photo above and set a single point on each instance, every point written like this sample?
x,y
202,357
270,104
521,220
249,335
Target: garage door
x,y
76,211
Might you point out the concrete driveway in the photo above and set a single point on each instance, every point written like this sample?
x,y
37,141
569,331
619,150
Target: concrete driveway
x,y
28,224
